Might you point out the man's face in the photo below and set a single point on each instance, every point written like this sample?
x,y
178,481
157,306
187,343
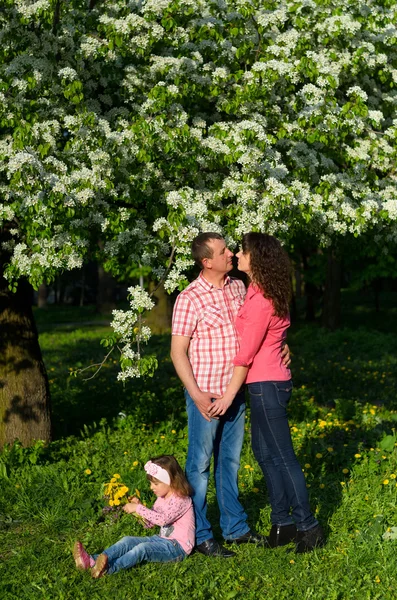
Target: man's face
x,y
221,261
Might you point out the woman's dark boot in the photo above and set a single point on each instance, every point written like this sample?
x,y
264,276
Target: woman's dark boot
x,y
308,540
280,535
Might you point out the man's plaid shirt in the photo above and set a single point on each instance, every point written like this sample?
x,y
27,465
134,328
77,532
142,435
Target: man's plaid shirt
x,y
207,315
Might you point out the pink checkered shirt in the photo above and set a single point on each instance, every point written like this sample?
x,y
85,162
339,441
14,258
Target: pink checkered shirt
x,y
207,315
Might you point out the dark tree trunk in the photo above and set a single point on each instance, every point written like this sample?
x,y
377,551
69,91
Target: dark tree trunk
x,y
311,292
42,296
331,302
24,391
106,291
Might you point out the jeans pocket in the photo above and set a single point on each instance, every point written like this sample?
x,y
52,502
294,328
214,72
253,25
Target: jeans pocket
x,y
255,389
283,391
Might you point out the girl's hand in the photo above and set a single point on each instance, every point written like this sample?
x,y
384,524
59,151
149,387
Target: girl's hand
x,y
130,507
219,407
133,499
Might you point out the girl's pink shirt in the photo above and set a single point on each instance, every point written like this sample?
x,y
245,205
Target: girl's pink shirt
x,y
175,516
261,336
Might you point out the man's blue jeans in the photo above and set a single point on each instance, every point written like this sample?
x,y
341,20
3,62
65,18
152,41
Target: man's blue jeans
x,y
223,438
130,551
273,449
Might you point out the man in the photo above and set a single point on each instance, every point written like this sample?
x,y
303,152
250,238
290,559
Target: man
x,y
204,343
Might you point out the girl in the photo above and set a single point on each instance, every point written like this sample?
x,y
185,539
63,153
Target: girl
x,y
173,511
261,324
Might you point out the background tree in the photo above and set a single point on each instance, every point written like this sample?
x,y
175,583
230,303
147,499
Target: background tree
x,y
129,127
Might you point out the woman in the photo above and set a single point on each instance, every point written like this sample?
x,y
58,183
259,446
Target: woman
x,y
261,324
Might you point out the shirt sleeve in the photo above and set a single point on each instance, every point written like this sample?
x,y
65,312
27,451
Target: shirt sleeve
x,y
257,314
184,317
167,513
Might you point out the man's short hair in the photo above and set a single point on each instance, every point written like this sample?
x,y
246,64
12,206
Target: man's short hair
x,y
200,248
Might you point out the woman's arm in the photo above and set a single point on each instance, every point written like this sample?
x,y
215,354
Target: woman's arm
x,y
219,407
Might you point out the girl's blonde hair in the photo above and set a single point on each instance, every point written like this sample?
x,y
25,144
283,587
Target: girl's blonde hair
x,y
179,483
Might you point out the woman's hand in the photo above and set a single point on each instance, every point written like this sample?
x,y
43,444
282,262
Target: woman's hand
x,y
286,355
130,507
220,406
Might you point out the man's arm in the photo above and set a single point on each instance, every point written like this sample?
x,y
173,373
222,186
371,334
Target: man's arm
x,y
180,359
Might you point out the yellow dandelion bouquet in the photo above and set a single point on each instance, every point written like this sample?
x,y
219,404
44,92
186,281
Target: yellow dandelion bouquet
x,y
115,493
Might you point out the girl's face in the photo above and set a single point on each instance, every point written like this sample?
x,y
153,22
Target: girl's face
x,y
162,490
244,262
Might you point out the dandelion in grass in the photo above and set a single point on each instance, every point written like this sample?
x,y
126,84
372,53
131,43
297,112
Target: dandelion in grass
x,y
357,455
330,449
88,471
319,455
377,580
307,465
393,476
255,490
345,471
322,486
385,482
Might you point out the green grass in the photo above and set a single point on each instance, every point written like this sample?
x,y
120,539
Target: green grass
x,y
343,420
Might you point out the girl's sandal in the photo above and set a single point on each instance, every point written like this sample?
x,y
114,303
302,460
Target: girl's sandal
x,y
81,556
100,567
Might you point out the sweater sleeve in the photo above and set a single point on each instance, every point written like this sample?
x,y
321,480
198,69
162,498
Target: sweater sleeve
x,y
167,512
257,314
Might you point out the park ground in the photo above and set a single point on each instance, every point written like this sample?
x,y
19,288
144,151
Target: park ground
x,y
343,420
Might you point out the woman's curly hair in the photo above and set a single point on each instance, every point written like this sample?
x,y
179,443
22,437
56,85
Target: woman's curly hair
x,y
270,269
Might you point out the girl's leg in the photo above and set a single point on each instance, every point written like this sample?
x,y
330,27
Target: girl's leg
x,y
149,549
273,397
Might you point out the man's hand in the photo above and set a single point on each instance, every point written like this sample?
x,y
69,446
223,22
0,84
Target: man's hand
x,y
203,402
285,355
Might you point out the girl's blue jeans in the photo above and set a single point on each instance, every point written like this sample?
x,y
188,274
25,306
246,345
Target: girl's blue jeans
x,y
273,449
130,551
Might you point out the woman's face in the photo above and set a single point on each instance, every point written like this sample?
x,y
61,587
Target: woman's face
x,y
244,263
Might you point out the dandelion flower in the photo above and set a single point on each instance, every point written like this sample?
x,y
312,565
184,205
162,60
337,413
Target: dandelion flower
x,y
322,486
393,476
385,482
357,455
307,465
88,471
173,431
247,466
319,455
255,490
345,471
116,476
330,449
135,463
292,562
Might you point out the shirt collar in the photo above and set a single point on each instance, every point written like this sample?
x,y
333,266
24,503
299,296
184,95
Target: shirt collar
x,y
252,290
209,286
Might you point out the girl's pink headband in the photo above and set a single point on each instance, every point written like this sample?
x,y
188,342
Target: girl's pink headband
x,y
158,472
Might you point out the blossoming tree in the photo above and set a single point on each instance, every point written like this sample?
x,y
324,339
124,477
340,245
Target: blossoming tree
x,y
128,127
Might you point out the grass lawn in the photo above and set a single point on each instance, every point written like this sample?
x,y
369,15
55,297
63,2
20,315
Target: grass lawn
x,y
343,420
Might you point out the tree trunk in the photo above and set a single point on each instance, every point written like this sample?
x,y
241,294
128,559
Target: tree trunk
x,y
331,303
42,296
159,319
106,291
24,391
310,292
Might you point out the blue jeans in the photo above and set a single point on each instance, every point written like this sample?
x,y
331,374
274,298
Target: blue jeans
x,y
272,447
223,438
130,551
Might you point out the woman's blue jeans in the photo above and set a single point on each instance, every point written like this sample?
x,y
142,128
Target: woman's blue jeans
x,y
272,447
130,551
222,438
